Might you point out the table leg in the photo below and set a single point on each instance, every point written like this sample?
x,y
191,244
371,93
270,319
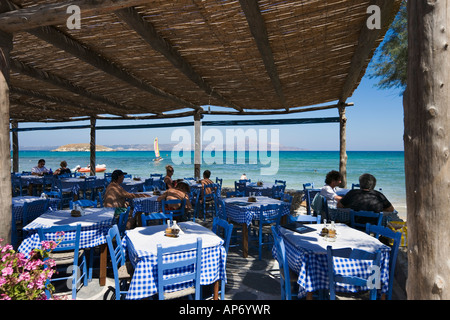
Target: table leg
x,y
103,264
309,296
244,240
216,290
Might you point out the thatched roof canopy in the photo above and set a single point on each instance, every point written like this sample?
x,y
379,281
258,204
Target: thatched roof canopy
x,y
154,59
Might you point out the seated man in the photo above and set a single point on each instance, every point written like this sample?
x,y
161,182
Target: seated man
x,y
116,196
206,181
366,198
332,181
180,192
40,169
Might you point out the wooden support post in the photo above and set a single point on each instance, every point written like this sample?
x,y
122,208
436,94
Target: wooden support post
x,y
5,153
343,145
92,147
198,144
15,146
427,154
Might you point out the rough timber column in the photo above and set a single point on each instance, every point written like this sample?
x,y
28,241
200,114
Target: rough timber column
x,y
92,147
15,146
427,154
198,144
5,153
343,144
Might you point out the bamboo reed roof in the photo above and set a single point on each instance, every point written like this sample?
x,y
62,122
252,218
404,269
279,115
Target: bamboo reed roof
x,y
151,59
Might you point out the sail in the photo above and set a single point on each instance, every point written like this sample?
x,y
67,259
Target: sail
x,y
156,147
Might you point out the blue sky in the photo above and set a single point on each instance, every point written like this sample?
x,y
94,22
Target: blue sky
x,y
375,123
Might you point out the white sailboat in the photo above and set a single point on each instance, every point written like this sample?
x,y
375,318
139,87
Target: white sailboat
x,y
156,148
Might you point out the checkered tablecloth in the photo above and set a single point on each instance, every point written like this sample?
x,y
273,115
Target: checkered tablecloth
x,y
18,203
94,227
240,210
77,184
146,205
131,185
307,256
141,247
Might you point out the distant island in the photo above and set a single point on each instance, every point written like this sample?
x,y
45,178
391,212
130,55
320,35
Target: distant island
x,y
81,147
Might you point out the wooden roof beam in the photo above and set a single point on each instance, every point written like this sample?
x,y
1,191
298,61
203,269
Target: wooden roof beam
x,y
259,32
22,19
116,108
64,42
150,35
366,43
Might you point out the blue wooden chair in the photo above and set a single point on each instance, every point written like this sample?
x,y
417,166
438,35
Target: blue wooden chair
x,y
122,269
34,209
156,175
16,184
357,216
396,238
219,182
122,222
58,191
148,185
160,216
268,214
305,219
169,270
195,202
355,186
355,254
67,252
287,276
175,213
209,203
309,185
277,191
219,227
240,186
281,182
309,197
89,187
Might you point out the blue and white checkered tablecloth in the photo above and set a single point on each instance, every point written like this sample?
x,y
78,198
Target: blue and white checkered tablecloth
x,y
18,203
141,247
94,227
307,256
264,190
146,205
76,184
240,210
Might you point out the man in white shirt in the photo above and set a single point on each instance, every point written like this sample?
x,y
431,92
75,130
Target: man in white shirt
x,y
40,169
332,181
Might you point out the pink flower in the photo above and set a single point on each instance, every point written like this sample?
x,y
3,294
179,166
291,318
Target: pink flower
x,y
24,276
4,297
7,271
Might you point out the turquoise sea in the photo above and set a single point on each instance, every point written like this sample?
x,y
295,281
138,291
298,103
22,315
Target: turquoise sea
x,y
296,167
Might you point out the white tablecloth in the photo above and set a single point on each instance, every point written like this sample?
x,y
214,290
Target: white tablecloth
x,y
141,247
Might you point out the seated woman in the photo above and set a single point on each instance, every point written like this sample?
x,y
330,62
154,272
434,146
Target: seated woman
x,y
168,178
328,191
180,192
63,169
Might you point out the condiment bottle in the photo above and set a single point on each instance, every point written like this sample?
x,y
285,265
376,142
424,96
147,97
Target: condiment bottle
x,y
332,230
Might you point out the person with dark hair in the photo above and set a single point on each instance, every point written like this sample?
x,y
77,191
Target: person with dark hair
x,y
63,169
180,192
205,181
168,178
366,198
332,181
40,169
115,195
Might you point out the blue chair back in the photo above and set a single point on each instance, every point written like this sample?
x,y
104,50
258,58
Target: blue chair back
x,y
68,239
305,219
221,209
16,183
355,186
148,185
156,175
162,217
282,182
309,185
277,191
309,196
122,223
220,225
240,186
118,259
34,209
233,194
89,185
83,203
268,214
195,201
396,238
169,273
354,254
364,215
174,212
285,278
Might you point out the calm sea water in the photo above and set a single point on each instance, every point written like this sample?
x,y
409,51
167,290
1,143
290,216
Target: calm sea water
x,y
296,167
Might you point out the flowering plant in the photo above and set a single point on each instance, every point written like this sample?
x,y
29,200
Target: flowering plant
x,y
26,279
